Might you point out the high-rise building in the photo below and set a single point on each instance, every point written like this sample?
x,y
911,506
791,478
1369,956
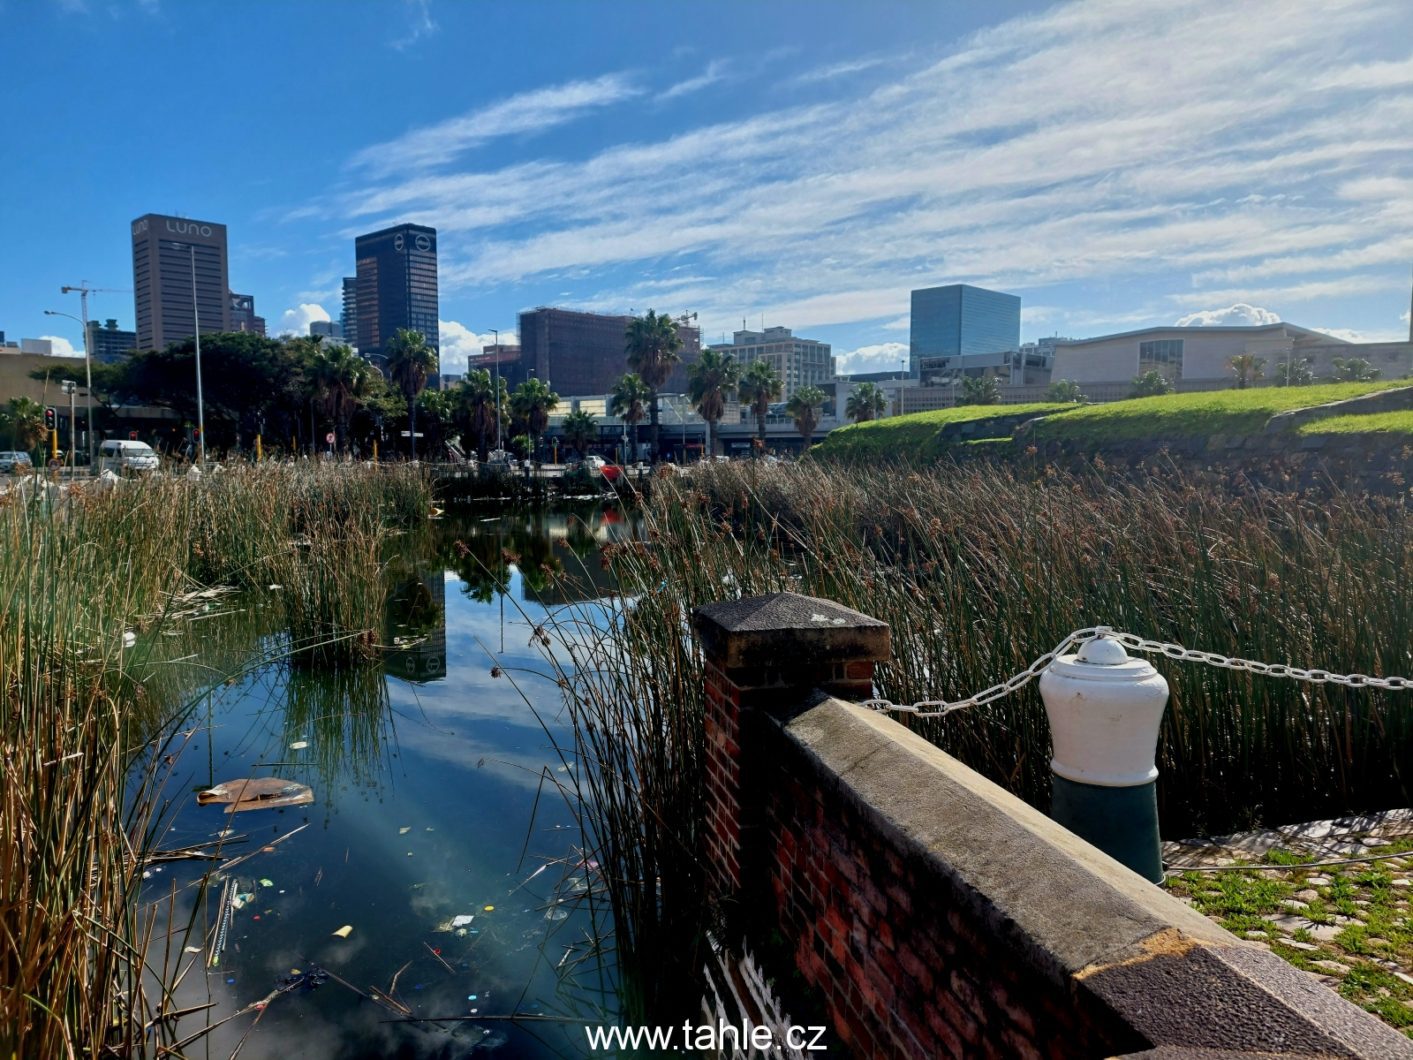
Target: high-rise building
x,y
179,272
328,330
397,287
348,319
799,362
961,327
108,344
243,317
584,353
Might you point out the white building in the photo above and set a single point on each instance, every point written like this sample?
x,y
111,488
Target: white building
x,y
800,362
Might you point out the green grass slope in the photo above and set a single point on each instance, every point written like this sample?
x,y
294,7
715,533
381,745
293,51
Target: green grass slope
x,y
1191,415
1370,423
915,435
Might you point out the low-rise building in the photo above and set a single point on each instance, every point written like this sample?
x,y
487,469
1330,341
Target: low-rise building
x,y
800,362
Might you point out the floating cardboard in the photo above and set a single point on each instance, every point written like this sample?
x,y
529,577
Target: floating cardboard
x,y
261,793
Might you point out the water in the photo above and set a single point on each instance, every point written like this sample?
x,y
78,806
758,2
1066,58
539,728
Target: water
x,y
435,798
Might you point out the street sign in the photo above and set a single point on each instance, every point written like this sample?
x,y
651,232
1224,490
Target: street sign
x,y
408,434
329,437
132,436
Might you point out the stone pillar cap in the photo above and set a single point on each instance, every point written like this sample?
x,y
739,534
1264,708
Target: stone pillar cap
x,y
787,628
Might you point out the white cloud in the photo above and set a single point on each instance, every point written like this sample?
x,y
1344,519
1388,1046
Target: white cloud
x,y
296,321
715,71
528,112
420,23
62,347
829,73
459,342
1241,313
1215,165
879,357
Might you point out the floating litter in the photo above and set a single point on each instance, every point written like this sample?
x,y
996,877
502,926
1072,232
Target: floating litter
x,y
299,745
557,913
404,830
344,931
266,883
129,639
472,997
462,920
490,909
231,979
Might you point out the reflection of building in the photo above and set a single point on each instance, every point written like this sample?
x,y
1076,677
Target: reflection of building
x,y
799,362
243,317
108,344
163,251
397,288
415,635
962,329
584,353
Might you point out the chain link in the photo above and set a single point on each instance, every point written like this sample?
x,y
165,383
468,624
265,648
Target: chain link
x,y
938,708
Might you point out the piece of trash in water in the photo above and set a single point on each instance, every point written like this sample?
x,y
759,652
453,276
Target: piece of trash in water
x,y
146,875
557,913
429,828
299,745
460,933
191,949
266,883
472,997
490,909
409,853
462,920
241,900
230,979
404,830
261,793
277,587
344,931
129,638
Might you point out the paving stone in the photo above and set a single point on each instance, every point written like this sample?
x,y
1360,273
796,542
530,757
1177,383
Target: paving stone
x,y
1306,947
1403,883
1374,940
1331,967
1404,977
1307,895
1318,880
1293,906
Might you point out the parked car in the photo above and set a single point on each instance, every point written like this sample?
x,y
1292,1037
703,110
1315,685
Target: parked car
x,y
119,455
13,462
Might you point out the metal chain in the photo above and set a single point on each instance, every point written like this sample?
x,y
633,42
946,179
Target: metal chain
x,y
937,708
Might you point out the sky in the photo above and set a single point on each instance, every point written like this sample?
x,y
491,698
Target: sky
x,y
1118,164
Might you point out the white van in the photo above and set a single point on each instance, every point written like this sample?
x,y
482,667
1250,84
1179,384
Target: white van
x,y
119,455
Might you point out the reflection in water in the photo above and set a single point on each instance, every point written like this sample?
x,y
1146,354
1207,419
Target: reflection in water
x,y
438,837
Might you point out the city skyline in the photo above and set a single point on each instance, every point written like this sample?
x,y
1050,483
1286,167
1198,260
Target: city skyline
x,y
1117,166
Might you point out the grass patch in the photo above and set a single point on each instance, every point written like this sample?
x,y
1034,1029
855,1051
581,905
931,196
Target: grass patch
x,y
1400,422
1193,415
917,435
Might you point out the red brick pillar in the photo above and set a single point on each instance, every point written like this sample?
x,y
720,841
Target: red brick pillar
x,y
769,653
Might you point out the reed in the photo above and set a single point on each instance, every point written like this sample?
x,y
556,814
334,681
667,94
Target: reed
x,y
88,576
978,570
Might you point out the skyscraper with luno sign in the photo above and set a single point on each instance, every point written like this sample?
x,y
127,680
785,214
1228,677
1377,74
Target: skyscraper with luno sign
x,y
396,288
180,277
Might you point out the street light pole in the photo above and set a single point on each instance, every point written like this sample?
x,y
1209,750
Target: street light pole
x,y
196,322
88,372
69,387
495,366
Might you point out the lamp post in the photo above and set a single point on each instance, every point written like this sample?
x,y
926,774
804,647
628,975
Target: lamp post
x,y
69,387
495,367
87,368
196,327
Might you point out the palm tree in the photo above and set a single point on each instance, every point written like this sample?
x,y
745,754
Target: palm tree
x,y
1248,368
580,430
629,401
410,362
980,390
804,407
866,402
342,379
709,382
477,407
26,421
532,402
760,385
652,349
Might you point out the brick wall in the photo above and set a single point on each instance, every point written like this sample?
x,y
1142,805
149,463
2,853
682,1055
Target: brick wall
x,y
929,913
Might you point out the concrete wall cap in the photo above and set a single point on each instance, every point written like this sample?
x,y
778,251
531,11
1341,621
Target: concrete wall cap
x,y
788,628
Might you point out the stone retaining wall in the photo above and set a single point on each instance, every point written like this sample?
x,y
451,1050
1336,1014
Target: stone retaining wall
x,y
929,912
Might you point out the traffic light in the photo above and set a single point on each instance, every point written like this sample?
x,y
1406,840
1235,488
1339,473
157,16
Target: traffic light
x,y
51,418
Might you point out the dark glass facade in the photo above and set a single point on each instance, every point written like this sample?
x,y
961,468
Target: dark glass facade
x,y
396,288
349,317
108,343
962,321
166,251
581,354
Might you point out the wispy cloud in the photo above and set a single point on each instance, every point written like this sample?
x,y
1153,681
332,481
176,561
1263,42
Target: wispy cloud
x,y
527,112
837,70
715,71
420,24
1116,144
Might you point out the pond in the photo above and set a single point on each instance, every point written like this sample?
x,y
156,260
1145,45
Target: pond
x,y
439,872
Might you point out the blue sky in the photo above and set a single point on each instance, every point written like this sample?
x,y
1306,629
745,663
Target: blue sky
x,y
1117,164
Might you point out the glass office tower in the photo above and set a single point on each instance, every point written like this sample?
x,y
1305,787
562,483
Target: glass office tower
x,y
397,288
962,321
